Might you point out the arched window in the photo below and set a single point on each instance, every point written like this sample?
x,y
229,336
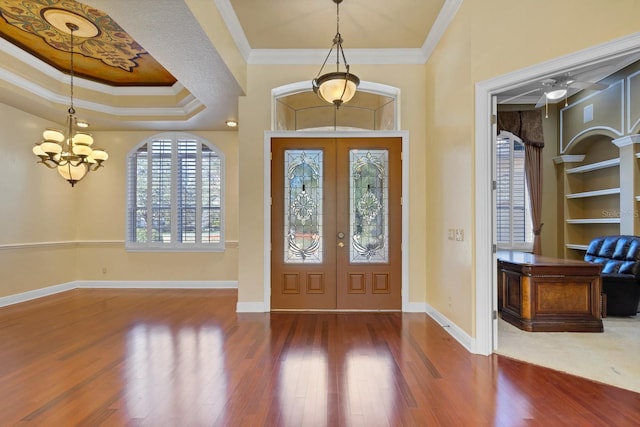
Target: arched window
x,y
374,107
175,194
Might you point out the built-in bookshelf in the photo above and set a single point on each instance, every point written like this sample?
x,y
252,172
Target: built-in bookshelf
x,y
594,221
592,196
594,193
595,166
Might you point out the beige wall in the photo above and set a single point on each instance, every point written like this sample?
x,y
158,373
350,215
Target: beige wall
x,y
450,190
54,234
33,209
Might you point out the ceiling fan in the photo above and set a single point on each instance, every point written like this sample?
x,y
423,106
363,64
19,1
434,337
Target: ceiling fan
x,y
555,89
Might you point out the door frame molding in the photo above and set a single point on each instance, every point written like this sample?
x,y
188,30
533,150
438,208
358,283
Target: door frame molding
x,y
404,135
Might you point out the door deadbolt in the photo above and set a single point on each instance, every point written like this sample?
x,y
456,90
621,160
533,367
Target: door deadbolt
x,y
341,235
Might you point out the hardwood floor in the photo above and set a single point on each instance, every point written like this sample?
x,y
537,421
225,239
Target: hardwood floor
x,y
184,358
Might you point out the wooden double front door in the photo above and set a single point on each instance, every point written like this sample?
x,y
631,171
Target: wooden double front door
x,y
336,223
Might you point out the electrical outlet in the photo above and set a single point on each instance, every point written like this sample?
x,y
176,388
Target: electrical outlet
x,y
451,234
104,270
459,234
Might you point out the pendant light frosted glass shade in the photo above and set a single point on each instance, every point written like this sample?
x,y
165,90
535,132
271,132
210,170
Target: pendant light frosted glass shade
x,y
73,173
53,135
336,88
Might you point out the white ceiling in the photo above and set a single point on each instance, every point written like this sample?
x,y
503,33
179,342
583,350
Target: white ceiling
x,y
264,31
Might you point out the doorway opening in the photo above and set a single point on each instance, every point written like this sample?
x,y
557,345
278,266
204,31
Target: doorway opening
x,y
485,275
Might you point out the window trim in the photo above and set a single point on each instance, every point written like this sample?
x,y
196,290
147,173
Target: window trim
x,y
525,246
174,137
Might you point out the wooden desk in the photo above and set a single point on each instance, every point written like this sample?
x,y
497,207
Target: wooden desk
x,y
543,294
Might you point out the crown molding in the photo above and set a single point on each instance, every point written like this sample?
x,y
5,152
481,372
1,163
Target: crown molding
x,y
317,56
233,25
49,95
187,106
446,15
404,56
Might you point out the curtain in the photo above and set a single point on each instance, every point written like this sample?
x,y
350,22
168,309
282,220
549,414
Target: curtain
x,y
527,125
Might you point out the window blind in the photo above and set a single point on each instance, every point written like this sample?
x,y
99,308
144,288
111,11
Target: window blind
x,y
175,194
513,217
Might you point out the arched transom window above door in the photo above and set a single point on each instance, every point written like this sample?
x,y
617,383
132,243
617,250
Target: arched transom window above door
x,y
374,107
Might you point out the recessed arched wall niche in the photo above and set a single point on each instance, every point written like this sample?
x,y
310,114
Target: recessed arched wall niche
x,y
374,107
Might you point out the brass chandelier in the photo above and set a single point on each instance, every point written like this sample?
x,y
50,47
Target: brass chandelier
x,y
336,87
70,151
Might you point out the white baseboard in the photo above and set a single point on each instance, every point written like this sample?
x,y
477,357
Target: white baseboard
x,y
36,293
154,284
461,336
250,307
85,284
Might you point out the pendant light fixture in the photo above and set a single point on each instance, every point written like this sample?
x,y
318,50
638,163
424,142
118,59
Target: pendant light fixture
x,y
70,151
336,87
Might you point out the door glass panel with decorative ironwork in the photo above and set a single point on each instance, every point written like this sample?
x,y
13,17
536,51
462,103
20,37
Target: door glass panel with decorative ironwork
x,y
368,206
303,206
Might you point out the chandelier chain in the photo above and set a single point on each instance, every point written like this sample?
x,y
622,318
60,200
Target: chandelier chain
x,y
70,151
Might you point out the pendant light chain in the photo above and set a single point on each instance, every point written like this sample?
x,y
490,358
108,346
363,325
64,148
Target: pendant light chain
x,y
72,28
338,38
336,87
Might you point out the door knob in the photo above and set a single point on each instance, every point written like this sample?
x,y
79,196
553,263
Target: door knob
x,y
340,244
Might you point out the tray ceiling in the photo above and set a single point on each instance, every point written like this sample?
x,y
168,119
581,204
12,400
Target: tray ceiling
x,y
156,64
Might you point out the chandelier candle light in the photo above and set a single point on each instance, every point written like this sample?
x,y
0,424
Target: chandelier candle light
x,y
70,152
336,87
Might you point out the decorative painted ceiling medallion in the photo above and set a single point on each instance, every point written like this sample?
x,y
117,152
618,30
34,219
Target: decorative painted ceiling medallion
x,y
59,18
99,37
